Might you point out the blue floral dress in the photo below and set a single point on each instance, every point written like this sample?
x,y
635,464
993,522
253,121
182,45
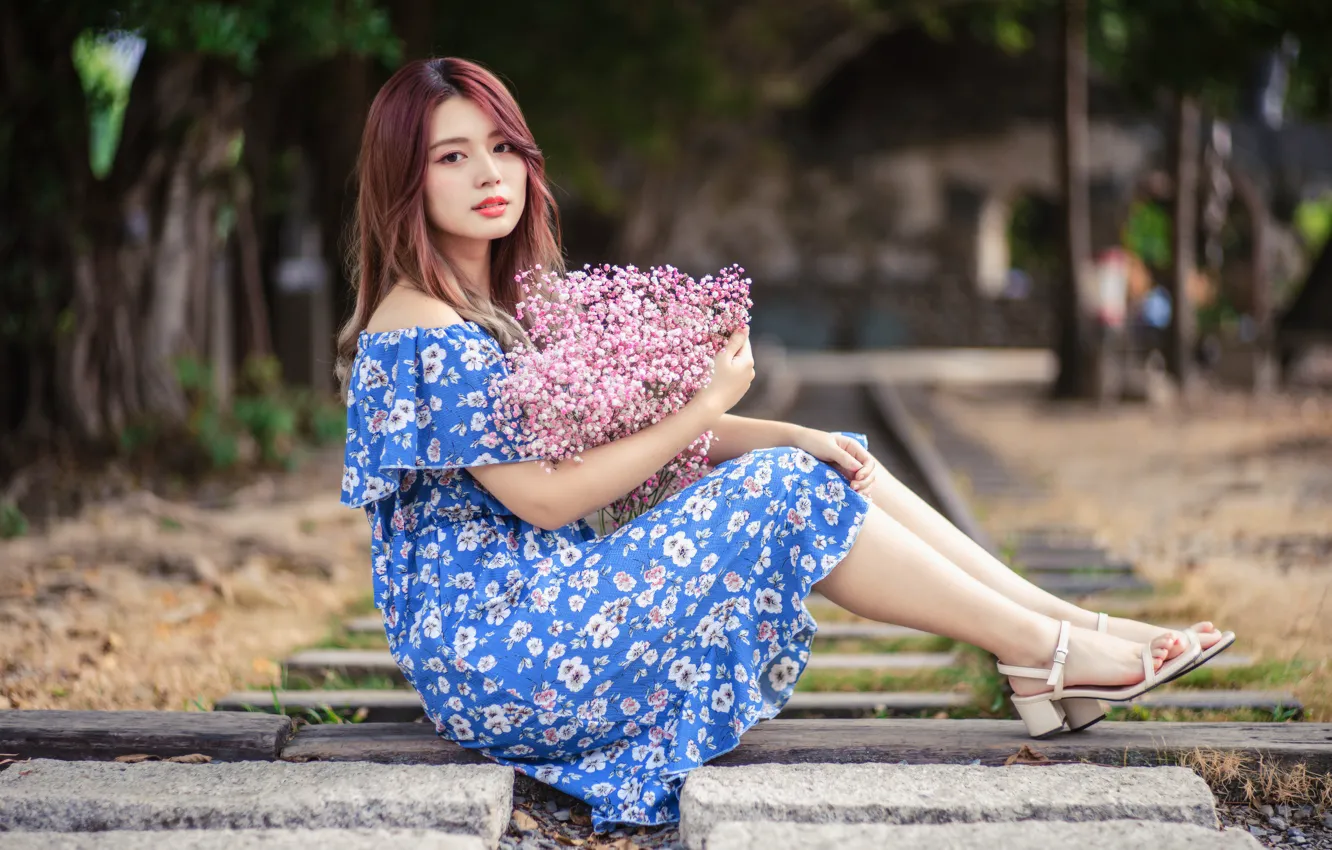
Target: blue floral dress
x,y
609,666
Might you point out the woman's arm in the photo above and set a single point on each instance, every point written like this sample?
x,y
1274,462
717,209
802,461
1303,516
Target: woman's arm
x,y
736,435
573,490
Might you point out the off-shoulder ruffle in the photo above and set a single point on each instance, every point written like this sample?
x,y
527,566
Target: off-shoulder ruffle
x,y
420,398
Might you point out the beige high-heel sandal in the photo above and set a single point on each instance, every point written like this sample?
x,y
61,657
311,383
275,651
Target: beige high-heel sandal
x,y
1046,713
1226,640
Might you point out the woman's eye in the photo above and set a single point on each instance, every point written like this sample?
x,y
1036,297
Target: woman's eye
x,y
445,157
508,147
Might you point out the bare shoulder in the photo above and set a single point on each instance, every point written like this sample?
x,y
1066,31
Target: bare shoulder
x,y
408,308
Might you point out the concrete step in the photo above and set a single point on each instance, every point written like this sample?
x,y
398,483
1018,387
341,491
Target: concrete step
x,y
1023,835
81,796
933,794
384,838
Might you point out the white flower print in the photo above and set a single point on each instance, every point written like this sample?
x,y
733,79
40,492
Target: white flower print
x,y
783,674
723,698
496,720
462,730
768,600
804,461
679,548
700,507
472,356
464,641
402,412
431,626
574,673
432,363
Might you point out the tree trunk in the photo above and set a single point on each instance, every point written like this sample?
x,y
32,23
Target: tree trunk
x,y
108,270
1076,344
1180,334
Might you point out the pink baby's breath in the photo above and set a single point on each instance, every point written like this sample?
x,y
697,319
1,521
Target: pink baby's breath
x,y
613,351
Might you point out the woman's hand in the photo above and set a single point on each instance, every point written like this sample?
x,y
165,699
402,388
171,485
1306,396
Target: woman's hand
x,y
844,453
732,373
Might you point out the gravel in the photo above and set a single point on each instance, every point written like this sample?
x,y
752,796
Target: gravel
x,y
1282,826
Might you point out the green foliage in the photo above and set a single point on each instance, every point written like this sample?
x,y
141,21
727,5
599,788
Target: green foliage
x,y
106,85
12,521
239,31
1147,234
267,423
1313,220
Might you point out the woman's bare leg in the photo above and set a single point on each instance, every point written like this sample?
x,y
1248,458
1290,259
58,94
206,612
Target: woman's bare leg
x,y
903,505
893,576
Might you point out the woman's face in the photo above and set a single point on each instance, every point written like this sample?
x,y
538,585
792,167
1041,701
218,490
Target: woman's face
x,y
476,183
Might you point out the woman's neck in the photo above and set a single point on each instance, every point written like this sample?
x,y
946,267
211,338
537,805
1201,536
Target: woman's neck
x,y
471,257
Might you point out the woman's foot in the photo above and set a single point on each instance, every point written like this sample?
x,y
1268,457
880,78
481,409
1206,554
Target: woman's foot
x,y
1094,659
1208,634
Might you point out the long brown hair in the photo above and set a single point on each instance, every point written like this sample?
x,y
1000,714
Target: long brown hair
x,y
391,239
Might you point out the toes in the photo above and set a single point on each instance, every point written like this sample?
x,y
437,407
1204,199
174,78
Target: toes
x,y
1206,632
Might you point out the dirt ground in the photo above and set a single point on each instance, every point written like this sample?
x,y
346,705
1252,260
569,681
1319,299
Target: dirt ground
x,y
141,603
1224,502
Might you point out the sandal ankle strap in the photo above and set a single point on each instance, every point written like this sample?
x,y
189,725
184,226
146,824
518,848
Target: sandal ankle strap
x,y
1054,674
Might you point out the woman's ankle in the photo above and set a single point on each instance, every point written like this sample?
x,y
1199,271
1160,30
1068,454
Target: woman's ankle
x,y
1031,645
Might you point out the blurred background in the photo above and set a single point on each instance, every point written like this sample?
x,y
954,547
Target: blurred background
x,y
1091,234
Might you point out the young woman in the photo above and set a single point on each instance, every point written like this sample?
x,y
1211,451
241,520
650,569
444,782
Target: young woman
x,y
609,667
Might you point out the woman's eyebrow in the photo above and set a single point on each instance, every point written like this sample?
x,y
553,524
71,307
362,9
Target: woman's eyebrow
x,y
458,140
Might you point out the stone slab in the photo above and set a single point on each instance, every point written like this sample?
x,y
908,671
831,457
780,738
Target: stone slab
x,y
1026,835
907,794
62,796
64,734
246,839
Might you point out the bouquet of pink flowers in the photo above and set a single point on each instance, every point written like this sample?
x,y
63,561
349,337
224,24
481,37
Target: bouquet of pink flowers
x,y
613,351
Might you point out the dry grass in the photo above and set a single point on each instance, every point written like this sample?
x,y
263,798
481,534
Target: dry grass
x,y
1237,778
149,604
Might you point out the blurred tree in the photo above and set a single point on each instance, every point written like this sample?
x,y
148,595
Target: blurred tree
x,y
104,278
